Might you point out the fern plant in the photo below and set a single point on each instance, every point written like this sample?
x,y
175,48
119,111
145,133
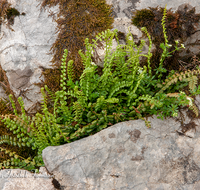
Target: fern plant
x,y
123,92
36,132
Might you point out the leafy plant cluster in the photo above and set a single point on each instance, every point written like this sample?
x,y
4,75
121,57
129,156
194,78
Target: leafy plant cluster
x,y
36,132
124,91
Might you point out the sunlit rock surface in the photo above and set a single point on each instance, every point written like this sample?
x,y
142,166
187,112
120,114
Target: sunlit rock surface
x,y
130,156
25,48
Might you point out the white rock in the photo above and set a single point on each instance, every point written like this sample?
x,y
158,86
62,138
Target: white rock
x,y
27,47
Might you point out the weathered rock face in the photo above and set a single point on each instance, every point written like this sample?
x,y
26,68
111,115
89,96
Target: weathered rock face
x,y
123,11
130,156
21,180
25,48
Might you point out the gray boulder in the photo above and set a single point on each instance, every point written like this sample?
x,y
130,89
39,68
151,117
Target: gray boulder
x,y
130,156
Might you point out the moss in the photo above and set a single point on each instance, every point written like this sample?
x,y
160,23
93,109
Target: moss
x,y
121,36
179,25
76,21
143,17
7,12
6,86
11,13
52,79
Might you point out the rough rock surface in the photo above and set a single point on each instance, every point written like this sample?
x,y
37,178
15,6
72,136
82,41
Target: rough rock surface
x,y
25,48
130,156
18,179
123,10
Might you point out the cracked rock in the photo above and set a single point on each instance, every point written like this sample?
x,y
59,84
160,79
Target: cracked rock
x,y
129,156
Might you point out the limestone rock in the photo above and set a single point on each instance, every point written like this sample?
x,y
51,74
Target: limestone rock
x,y
142,4
123,11
18,179
129,156
25,47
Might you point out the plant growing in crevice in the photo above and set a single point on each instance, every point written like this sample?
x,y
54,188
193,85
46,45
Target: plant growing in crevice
x,y
180,25
37,132
123,92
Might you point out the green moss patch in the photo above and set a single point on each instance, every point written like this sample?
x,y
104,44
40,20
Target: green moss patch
x,y
11,13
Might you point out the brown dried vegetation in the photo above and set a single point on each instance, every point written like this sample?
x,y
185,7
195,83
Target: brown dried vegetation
x,y
4,6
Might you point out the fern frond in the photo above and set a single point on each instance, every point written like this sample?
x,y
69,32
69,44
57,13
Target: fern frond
x,y
175,95
16,161
151,100
78,110
147,123
194,109
163,24
140,77
70,70
112,100
187,76
100,103
51,94
192,82
118,86
149,50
